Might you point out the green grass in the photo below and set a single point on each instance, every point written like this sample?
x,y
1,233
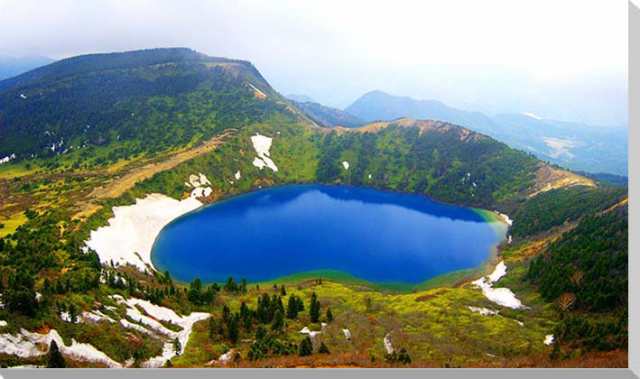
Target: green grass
x,y
11,224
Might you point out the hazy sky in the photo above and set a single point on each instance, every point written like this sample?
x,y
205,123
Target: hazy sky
x,y
557,58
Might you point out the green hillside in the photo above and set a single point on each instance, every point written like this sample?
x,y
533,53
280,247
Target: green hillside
x,y
130,124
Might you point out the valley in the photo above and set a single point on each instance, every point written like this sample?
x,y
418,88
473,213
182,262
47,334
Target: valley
x,y
193,138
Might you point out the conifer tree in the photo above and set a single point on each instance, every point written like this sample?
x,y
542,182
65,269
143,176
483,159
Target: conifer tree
x,y
292,307
323,349
55,358
278,322
306,347
314,308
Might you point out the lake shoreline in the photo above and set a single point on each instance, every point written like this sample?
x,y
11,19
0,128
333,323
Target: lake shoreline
x,y
496,219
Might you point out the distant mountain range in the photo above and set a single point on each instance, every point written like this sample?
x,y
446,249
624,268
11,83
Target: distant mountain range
x,y
327,116
572,145
12,66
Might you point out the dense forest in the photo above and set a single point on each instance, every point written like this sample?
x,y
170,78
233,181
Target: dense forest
x,y
585,274
557,207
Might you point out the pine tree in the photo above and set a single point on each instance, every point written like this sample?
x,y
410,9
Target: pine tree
x,y
292,307
246,316
329,315
212,327
278,322
314,308
323,349
403,356
177,346
55,358
306,347
234,328
283,291
226,314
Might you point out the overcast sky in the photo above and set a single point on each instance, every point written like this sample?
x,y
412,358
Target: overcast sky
x,y
559,59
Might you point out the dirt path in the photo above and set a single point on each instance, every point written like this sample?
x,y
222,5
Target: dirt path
x,y
119,184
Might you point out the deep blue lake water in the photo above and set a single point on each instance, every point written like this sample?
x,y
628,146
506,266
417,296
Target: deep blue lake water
x,y
382,237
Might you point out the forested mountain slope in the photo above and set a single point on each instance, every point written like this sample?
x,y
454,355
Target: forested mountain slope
x,y
139,101
195,115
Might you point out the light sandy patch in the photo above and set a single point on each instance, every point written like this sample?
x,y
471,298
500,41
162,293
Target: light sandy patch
x,y
549,178
127,179
257,93
129,236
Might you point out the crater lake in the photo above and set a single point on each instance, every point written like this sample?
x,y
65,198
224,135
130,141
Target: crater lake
x,y
377,236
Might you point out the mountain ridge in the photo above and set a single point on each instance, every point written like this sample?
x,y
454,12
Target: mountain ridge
x,y
573,145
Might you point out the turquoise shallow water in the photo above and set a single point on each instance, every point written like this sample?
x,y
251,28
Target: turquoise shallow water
x,y
378,236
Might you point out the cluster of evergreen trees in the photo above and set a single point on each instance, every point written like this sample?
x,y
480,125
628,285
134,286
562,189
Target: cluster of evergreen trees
x,y
267,321
585,273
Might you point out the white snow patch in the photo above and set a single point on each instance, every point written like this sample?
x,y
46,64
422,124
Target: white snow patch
x,y
131,232
8,158
201,192
200,185
505,218
498,272
483,311
66,317
369,176
501,296
157,312
3,323
262,145
23,96
387,344
237,175
309,332
345,164
347,334
548,339
27,345
96,316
